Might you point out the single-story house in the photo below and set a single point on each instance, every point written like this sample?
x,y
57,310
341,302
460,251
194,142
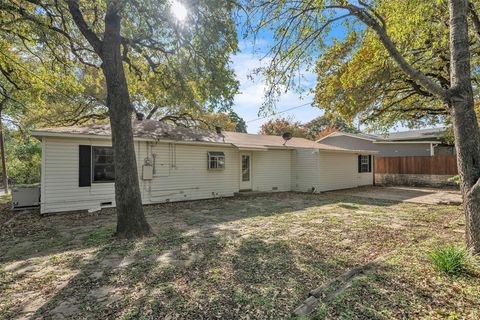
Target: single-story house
x,y
424,142
176,163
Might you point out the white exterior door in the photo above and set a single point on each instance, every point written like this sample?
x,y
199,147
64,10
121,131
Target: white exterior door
x,y
245,171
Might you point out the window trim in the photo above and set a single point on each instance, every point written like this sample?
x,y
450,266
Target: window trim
x,y
93,166
211,155
364,160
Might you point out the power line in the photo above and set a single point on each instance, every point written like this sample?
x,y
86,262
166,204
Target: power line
x,y
280,112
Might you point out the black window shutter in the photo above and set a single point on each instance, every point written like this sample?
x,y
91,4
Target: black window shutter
x,y
359,163
370,163
85,166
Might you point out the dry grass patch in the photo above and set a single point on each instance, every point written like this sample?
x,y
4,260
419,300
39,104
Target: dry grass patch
x,y
234,258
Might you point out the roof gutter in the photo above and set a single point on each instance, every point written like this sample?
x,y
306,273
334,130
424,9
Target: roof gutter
x,y
406,142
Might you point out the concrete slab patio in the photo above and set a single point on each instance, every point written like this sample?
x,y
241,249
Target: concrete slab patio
x,y
406,194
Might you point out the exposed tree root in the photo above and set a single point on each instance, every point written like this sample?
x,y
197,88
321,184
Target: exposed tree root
x,y
328,291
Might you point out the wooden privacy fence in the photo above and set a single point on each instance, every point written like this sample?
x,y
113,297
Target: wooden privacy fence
x,y
434,165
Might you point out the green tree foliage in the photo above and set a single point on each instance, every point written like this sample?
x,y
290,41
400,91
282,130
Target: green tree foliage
x,y
357,78
322,124
312,129
136,45
280,126
240,124
184,68
23,158
207,120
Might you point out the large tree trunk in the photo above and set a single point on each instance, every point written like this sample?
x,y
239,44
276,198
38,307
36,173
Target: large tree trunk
x,y
465,125
2,155
131,220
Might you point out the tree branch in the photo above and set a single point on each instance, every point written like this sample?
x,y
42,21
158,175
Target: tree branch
x,y
88,33
389,45
475,19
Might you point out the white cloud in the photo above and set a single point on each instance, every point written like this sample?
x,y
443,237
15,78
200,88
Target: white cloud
x,y
248,102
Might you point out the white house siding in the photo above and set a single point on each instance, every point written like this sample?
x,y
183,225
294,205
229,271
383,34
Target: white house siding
x,y
325,171
271,170
340,171
365,178
305,169
181,173
60,190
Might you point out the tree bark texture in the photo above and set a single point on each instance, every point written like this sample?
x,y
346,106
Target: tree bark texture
x,y
131,220
2,154
465,124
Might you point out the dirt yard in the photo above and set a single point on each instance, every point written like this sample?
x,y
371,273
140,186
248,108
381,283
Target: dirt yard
x,y
240,258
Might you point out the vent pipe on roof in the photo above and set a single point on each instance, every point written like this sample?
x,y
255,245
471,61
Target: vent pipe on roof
x,y
218,129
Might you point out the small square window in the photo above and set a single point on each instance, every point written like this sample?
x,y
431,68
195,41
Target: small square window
x,y
364,164
216,160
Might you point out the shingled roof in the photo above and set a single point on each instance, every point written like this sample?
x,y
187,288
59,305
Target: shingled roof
x,y
420,136
154,130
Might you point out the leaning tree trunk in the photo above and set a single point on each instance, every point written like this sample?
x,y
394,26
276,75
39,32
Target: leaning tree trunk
x,y
2,154
465,125
131,220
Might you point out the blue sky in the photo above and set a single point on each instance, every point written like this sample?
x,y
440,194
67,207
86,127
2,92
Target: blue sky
x,y
248,102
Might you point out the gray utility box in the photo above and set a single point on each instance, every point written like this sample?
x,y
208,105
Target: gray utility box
x,y
25,197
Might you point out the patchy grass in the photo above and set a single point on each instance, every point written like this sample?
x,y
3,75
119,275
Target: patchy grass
x,y
253,258
450,259
101,236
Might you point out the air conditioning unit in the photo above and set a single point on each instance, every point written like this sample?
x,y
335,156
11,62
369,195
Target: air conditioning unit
x,y
25,197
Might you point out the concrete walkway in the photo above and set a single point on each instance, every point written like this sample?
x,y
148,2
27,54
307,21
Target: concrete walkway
x,y
407,194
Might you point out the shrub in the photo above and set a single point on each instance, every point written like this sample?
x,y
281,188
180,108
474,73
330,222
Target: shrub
x,y
455,180
450,259
23,158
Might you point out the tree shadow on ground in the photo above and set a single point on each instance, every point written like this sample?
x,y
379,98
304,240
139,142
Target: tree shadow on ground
x,y
199,277
32,235
192,268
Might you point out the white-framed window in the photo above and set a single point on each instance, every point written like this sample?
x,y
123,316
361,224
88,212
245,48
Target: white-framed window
x,y
103,169
364,163
216,160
